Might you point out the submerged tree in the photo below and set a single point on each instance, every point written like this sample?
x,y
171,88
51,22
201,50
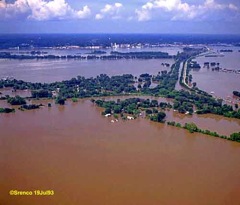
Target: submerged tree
x,y
16,100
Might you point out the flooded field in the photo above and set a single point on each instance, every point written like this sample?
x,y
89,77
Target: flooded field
x,y
221,83
85,159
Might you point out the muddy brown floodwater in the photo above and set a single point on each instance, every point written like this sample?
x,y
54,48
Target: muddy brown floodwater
x,y
85,159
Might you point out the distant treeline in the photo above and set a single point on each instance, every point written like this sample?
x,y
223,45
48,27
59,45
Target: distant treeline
x,y
97,52
143,55
112,56
226,51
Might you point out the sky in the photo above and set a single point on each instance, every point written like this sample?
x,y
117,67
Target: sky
x,y
122,16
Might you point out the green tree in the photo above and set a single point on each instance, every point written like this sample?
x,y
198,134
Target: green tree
x,y
235,137
191,127
60,100
16,100
149,111
161,116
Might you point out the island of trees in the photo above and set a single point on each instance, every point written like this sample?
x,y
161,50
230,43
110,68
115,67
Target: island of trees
x,y
134,107
6,110
114,55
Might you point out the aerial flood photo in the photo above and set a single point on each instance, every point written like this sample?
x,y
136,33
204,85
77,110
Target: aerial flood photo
x,y
119,102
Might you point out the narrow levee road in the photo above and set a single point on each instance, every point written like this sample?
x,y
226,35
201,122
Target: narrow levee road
x,y
185,64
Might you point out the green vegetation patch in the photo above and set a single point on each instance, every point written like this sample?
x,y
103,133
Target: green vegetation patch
x,y
131,106
192,127
16,100
30,107
6,110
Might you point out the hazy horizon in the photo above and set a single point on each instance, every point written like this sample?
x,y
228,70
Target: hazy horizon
x,y
118,33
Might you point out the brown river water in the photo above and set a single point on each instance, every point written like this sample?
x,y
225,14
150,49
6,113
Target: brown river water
x,y
86,159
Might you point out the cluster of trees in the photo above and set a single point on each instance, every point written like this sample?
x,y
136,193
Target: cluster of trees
x,y
146,79
141,55
16,100
226,50
182,106
191,65
225,110
41,94
79,87
159,117
176,124
165,64
189,52
30,107
128,106
186,100
164,105
132,106
216,68
74,100
235,137
166,82
60,100
6,110
205,103
236,93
